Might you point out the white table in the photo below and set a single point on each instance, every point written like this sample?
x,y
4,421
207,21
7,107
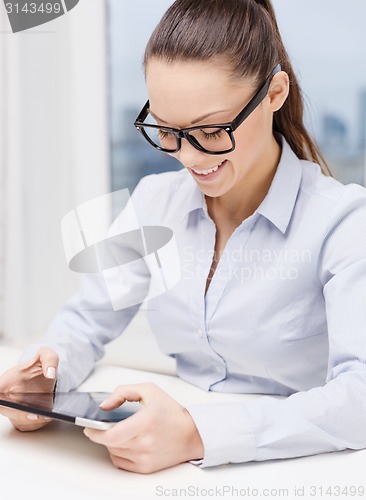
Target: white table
x,y
59,462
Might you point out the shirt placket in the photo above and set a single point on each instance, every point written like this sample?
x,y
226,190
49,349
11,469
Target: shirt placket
x,y
203,307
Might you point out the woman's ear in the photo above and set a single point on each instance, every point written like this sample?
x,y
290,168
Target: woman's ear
x,y
278,90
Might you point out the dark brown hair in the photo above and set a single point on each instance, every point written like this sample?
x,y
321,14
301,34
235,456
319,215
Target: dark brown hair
x,y
243,33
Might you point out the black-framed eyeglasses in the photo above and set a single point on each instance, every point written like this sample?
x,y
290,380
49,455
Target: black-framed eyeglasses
x,y
213,139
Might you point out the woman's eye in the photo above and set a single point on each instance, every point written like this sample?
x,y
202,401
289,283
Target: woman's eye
x,y
163,134
212,135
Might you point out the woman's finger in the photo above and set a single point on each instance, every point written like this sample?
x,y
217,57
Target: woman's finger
x,y
127,453
28,426
123,463
143,393
19,414
23,419
142,466
8,412
28,364
47,359
120,433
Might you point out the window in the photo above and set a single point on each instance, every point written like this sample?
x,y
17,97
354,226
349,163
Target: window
x,y
326,42
129,30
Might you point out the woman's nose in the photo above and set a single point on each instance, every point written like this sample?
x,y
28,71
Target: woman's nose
x,y
188,155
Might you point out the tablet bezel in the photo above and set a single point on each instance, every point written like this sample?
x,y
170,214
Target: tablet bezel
x,y
79,421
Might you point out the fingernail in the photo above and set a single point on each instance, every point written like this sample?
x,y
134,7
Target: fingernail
x,y
106,402
32,416
47,418
51,372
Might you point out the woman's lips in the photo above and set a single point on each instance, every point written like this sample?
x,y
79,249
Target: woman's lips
x,y
208,177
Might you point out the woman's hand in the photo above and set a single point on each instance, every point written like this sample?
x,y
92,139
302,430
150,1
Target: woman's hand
x,y
36,375
161,434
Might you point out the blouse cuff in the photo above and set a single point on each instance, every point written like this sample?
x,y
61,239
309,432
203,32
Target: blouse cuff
x,y
226,432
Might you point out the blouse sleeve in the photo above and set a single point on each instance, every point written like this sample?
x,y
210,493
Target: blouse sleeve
x,y
89,319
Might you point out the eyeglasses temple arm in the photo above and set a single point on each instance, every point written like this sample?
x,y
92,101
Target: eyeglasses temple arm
x,y
143,114
253,103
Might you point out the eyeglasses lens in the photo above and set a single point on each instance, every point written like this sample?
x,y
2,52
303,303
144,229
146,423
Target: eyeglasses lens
x,y
210,138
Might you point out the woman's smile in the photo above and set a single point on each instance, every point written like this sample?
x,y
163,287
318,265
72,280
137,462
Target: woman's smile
x,y
205,175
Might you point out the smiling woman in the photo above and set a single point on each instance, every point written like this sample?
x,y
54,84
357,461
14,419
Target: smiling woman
x,y
335,108
279,327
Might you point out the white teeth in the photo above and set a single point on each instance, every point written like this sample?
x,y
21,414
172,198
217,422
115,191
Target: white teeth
x,y
206,172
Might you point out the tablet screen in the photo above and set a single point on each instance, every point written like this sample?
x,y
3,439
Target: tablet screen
x,y
68,405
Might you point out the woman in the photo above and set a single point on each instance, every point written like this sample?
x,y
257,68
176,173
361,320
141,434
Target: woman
x,y
278,307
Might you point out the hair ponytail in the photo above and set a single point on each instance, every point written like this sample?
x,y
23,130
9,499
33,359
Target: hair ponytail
x,y
288,120
246,34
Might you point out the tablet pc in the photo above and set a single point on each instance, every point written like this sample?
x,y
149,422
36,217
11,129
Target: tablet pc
x,y
80,408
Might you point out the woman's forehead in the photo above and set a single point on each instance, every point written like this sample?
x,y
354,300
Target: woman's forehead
x,y
191,75
184,91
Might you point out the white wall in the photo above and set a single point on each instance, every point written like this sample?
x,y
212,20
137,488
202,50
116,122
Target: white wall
x,y
54,155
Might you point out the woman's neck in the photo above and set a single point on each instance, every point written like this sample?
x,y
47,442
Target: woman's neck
x,y
242,201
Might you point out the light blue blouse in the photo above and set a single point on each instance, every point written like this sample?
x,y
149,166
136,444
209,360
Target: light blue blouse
x,y
285,314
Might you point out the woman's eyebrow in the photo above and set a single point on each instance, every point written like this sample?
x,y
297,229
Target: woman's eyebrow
x,y
201,118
